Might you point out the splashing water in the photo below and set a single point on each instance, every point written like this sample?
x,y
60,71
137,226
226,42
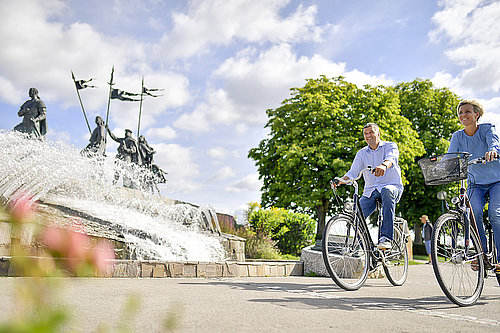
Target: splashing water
x,y
57,174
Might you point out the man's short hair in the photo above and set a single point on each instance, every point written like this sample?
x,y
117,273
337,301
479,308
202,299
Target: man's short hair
x,y
127,130
374,126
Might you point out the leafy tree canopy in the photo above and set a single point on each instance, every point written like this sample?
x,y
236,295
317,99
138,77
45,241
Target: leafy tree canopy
x,y
314,136
432,113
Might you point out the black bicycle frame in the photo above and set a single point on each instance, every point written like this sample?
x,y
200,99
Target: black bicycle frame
x,y
359,216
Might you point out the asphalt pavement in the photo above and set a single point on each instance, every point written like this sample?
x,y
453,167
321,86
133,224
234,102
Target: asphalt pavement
x,y
297,304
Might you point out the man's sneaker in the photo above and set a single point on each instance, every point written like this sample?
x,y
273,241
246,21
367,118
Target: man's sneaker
x,y
384,245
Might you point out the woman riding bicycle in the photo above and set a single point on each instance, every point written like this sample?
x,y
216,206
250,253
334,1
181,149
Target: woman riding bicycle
x,y
480,140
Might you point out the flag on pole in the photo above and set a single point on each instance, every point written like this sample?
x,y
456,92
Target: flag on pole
x,y
146,91
124,95
79,86
82,84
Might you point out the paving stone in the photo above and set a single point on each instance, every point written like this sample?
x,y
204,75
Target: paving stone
x,y
189,270
146,270
159,271
177,269
230,270
295,269
4,267
253,270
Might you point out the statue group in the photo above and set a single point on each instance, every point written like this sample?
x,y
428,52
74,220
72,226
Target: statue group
x,y
132,158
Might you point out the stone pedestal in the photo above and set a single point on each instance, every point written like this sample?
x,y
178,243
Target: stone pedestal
x,y
314,264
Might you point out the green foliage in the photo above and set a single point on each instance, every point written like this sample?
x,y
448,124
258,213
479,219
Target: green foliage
x,y
432,113
291,231
261,247
314,137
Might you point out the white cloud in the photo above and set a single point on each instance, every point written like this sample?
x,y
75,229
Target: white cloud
x,y
179,163
216,109
473,33
254,82
217,152
222,174
249,183
219,22
163,133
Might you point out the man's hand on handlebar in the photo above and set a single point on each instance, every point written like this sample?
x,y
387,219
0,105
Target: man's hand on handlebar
x,y
379,170
339,181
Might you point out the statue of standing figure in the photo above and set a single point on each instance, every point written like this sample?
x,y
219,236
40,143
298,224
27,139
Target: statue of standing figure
x,y
128,152
34,116
97,144
146,152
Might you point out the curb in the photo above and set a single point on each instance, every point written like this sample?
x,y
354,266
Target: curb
x,y
177,269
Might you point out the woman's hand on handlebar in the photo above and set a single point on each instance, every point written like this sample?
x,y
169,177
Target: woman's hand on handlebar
x,y
490,156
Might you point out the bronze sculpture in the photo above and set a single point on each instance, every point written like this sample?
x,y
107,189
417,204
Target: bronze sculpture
x,y
146,152
34,116
97,144
128,153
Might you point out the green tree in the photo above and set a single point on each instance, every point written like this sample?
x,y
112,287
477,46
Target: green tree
x,y
314,136
432,113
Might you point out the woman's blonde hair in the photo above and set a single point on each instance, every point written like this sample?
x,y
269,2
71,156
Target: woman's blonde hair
x,y
478,108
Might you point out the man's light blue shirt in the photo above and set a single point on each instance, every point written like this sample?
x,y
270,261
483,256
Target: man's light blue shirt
x,y
386,151
485,139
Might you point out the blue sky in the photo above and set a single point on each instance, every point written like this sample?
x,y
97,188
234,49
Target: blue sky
x,y
222,63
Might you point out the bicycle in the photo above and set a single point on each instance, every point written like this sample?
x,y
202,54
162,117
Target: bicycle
x,y
459,262
349,252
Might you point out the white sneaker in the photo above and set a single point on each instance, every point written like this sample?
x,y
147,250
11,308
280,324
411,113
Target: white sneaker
x,y
385,245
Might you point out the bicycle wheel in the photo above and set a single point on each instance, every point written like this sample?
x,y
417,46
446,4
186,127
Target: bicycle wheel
x,y
345,252
494,260
396,260
460,275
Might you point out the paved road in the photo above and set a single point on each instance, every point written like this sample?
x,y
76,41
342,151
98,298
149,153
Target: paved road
x,y
298,304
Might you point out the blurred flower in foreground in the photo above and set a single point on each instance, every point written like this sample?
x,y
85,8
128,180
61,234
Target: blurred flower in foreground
x,y
21,207
74,250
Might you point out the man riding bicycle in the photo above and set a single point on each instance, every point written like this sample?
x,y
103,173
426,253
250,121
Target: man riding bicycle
x,y
384,183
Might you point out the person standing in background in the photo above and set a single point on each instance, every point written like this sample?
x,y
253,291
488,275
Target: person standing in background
x,y
426,234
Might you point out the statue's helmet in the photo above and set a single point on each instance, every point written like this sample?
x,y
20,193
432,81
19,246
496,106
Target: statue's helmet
x,y
33,92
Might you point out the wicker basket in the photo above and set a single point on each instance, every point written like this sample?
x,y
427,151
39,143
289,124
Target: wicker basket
x,y
444,169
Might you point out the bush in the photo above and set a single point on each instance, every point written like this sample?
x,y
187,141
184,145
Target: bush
x,y
300,232
258,246
291,231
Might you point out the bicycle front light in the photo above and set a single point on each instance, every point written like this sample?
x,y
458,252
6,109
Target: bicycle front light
x,y
455,200
349,206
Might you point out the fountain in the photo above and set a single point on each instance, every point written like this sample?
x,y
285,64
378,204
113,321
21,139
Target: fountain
x,y
71,188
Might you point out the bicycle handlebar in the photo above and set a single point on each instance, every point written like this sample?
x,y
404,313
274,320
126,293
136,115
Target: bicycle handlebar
x,y
338,180
481,160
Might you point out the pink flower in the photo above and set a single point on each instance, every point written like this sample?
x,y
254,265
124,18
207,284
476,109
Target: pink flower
x,y
101,255
75,248
21,206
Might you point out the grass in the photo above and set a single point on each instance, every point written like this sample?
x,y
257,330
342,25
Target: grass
x,y
419,257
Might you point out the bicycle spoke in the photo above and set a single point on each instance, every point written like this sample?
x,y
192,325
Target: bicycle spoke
x,y
459,274
345,252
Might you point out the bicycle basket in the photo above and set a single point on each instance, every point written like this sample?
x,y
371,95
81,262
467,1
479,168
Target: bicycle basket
x,y
444,169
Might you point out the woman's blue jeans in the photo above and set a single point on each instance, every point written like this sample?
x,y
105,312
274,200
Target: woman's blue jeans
x,y
390,196
477,197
